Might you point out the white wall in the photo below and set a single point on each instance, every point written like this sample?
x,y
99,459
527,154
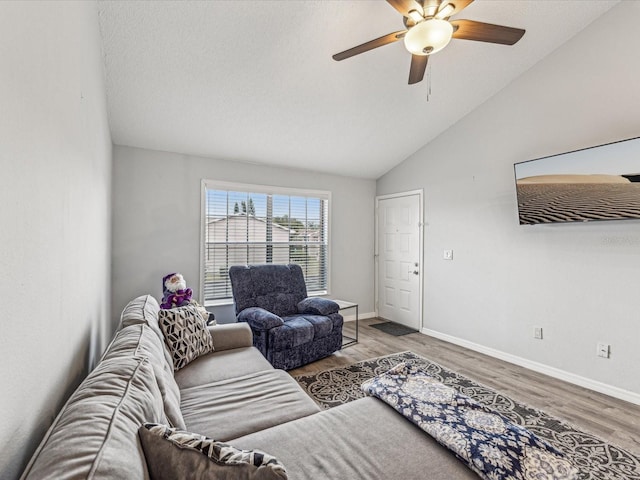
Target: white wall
x,y
580,282
55,170
156,228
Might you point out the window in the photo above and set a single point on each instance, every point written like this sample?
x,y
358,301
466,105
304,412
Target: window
x,y
252,224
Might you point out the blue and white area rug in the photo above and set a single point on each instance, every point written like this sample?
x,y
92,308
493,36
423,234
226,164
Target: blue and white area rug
x,y
595,458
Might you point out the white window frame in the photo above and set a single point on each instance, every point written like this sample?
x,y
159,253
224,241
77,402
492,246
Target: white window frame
x,y
263,189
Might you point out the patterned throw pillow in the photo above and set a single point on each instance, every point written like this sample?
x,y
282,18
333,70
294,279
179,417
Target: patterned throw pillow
x,y
185,333
176,454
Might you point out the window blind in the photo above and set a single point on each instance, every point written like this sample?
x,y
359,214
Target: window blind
x,y
257,224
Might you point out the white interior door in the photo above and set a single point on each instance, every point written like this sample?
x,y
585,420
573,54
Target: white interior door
x,y
399,247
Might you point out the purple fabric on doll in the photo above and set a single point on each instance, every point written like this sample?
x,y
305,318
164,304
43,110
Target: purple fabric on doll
x,y
175,291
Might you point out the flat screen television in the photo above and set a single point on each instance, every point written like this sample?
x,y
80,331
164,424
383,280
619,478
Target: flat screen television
x,y
595,183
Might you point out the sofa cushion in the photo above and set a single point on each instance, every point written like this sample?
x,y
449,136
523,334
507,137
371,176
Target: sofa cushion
x,y
174,455
95,434
242,405
140,340
222,365
185,333
144,310
361,439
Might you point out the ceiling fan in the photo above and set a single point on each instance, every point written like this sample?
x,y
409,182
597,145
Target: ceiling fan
x,y
429,30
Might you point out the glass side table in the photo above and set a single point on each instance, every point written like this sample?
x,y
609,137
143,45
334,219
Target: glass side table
x,y
344,305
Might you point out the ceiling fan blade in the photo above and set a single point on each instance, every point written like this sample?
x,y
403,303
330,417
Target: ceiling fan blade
x,y
452,7
486,32
365,47
405,6
418,66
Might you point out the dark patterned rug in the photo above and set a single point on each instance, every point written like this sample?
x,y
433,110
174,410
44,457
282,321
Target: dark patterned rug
x,y
595,458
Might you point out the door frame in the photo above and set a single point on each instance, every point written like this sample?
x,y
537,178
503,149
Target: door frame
x,y
376,255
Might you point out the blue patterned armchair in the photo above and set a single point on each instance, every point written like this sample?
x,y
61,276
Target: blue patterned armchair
x,y
289,328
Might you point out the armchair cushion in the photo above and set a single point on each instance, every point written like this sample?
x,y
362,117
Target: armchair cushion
x,y
295,332
321,324
259,319
318,306
276,288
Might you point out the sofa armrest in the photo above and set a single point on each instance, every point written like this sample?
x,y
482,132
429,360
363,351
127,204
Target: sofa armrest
x,y
259,318
318,306
231,335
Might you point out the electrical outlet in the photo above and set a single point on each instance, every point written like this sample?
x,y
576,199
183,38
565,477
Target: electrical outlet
x,y
603,349
448,255
537,333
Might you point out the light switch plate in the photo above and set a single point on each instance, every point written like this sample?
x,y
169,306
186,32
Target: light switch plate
x,y
603,349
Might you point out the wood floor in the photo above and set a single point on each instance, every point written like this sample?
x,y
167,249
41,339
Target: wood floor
x,y
613,420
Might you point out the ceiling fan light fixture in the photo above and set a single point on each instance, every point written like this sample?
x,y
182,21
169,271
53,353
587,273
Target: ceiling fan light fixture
x,y
428,37
416,16
445,11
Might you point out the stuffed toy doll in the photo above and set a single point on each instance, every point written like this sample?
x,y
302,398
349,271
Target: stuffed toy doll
x,y
175,291
176,294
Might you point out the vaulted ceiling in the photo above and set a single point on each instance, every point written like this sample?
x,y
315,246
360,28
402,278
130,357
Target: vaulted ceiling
x,y
254,81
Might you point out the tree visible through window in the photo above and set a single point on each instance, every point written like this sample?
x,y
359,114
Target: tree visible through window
x,y
254,224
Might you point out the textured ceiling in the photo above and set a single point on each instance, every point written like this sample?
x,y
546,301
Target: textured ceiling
x,y
255,81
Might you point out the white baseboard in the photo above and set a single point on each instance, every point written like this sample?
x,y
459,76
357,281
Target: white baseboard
x,y
361,316
600,387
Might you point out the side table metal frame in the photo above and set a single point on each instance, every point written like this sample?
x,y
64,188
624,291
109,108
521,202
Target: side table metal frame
x,y
344,305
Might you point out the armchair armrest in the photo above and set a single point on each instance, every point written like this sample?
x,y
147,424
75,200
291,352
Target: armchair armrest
x,y
259,318
318,306
227,336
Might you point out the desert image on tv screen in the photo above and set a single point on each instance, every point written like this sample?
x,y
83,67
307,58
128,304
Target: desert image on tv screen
x,y
598,183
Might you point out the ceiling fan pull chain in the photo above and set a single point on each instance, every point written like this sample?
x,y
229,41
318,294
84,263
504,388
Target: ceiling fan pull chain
x,y
428,81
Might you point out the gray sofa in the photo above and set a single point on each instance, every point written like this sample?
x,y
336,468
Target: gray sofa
x,y
234,395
